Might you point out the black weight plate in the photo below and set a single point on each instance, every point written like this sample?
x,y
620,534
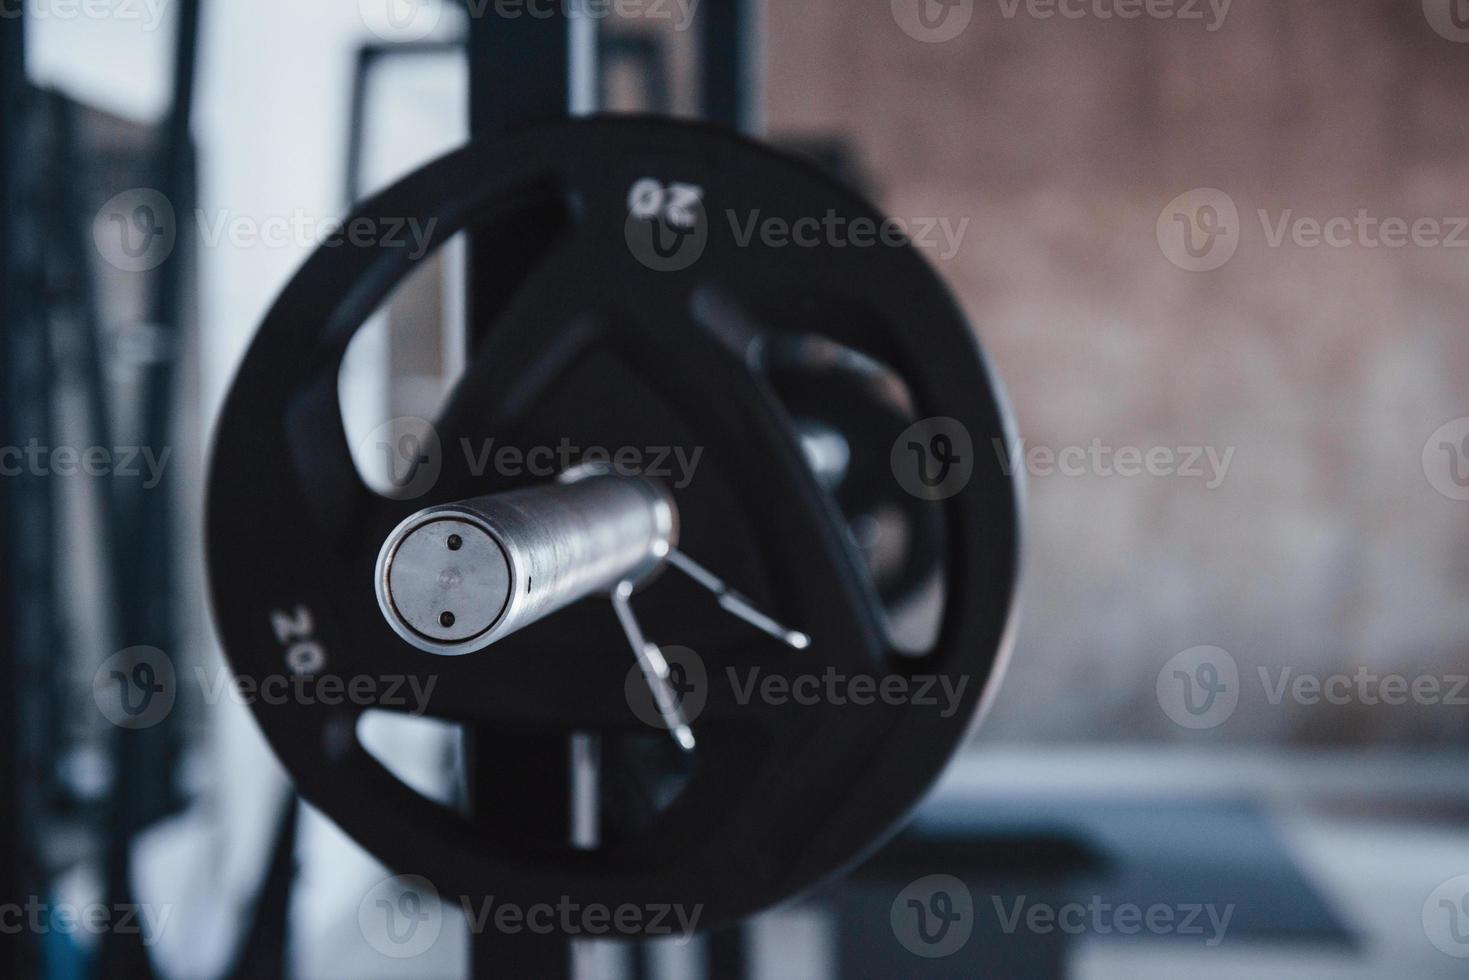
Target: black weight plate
x,y
588,335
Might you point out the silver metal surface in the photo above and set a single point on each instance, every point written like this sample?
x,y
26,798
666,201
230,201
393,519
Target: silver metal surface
x,y
521,556
826,450
737,605
655,669
448,580
586,782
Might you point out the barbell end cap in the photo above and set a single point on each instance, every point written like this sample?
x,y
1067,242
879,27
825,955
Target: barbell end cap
x,y
443,582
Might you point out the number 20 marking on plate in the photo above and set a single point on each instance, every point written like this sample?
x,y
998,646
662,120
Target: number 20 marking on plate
x,y
296,631
677,204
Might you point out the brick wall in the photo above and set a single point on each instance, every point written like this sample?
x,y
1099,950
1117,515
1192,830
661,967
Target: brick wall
x,y
1325,369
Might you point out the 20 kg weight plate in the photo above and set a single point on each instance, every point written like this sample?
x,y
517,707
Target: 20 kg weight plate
x,y
621,302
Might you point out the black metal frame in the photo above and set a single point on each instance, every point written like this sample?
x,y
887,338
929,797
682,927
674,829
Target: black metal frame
x,y
15,863
28,616
146,541
648,54
368,57
729,64
520,73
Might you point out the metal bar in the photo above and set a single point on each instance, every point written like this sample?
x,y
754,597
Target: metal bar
x,y
731,95
655,670
586,826
583,72
533,770
369,56
519,69
586,790
357,121
142,760
519,72
452,580
736,604
16,867
728,958
84,322
262,956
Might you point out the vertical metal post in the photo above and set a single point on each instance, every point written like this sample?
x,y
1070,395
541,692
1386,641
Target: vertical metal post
x,y
143,788
728,958
16,859
521,70
730,71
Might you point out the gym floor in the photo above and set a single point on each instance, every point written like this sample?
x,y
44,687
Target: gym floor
x,y
1372,833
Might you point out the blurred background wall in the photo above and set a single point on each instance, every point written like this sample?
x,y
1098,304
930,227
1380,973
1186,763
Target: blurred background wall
x,y
1054,146
1324,547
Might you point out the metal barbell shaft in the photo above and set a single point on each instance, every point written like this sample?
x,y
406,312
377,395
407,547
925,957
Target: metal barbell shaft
x,y
452,580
